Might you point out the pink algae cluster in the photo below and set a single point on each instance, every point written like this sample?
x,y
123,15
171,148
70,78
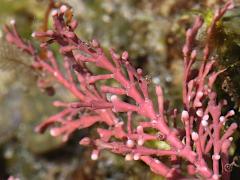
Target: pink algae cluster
x,y
202,136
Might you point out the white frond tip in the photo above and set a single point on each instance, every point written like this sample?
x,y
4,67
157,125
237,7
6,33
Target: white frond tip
x,y
204,123
156,161
33,34
185,50
85,141
95,43
125,55
140,142
136,156
54,12
63,8
195,136
12,22
199,112
54,132
130,143
205,117
113,98
94,155
215,177
199,94
231,113
156,80
139,129
58,103
185,115
128,157
222,119
194,54
216,156
189,32
139,71
198,104
231,5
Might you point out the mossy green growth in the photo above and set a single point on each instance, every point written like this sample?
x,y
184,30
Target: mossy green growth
x,y
163,145
227,43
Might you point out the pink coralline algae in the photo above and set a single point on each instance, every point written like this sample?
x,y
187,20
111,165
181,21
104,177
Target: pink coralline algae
x,y
199,144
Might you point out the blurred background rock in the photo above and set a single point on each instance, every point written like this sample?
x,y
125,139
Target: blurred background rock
x,y
151,31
